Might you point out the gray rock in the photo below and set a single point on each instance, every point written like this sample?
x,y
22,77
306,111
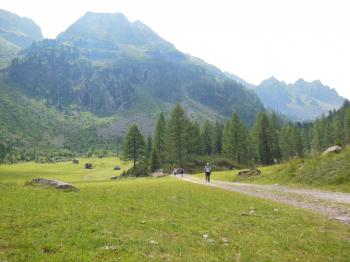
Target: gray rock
x,y
53,183
117,168
75,161
249,173
333,149
158,173
88,165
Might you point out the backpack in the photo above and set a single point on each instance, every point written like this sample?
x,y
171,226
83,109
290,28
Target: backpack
x,y
207,169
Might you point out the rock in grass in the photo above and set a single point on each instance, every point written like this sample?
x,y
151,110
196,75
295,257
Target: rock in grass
x,y
88,165
249,173
332,149
158,173
53,183
117,168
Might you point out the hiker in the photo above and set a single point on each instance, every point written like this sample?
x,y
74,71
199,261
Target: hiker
x,y
182,173
207,170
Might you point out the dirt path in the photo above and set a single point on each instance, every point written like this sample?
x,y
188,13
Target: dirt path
x,y
334,205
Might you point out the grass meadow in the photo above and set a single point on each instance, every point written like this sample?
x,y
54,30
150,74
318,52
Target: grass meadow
x,y
151,219
330,172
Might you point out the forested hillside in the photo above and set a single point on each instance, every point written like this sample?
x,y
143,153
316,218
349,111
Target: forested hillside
x,y
178,141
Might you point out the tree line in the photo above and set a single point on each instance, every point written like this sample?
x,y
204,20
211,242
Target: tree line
x,y
178,140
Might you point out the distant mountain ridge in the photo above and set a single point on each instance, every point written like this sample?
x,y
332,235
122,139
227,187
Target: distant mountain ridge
x,y
16,33
300,101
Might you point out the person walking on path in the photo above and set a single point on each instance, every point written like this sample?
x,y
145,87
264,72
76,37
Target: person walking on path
x,y
182,173
207,171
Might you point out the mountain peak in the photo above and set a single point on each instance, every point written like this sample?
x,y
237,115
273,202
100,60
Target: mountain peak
x,y
20,31
109,31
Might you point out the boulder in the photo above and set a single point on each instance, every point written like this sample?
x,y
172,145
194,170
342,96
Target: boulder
x,y
114,177
249,173
88,165
53,183
177,171
117,168
333,149
158,173
75,161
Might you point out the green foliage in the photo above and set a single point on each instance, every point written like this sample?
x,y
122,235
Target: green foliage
x,y
262,140
159,138
177,142
134,146
207,137
235,140
154,163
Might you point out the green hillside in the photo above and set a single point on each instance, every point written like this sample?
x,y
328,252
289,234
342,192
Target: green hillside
x,y
28,125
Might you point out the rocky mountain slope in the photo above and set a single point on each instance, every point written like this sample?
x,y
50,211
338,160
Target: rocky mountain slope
x,y
300,101
16,33
106,65
121,72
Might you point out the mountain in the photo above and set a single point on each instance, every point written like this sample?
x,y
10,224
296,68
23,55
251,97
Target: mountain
x,y
301,101
116,72
107,65
16,33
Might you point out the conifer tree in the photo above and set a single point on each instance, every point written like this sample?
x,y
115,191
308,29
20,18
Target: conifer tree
x,y
194,144
276,151
235,138
207,137
178,125
347,126
134,147
159,138
218,134
154,163
263,140
148,146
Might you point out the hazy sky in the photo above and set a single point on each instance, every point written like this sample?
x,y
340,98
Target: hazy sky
x,y
254,39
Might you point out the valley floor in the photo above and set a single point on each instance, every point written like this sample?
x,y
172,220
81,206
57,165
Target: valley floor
x,y
152,219
335,205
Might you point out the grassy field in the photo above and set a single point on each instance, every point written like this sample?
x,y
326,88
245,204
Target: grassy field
x,y
149,219
331,172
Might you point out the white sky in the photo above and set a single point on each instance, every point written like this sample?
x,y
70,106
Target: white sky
x,y
253,39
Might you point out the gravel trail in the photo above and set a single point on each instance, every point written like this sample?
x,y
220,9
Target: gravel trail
x,y
334,205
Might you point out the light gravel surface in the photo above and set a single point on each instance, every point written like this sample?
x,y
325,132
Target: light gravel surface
x,y
334,205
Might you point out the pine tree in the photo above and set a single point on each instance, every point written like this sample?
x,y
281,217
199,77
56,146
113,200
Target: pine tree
x,y
347,126
263,139
2,152
218,134
160,138
207,137
134,147
178,125
193,138
276,151
235,138
148,147
317,136
154,163
337,131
